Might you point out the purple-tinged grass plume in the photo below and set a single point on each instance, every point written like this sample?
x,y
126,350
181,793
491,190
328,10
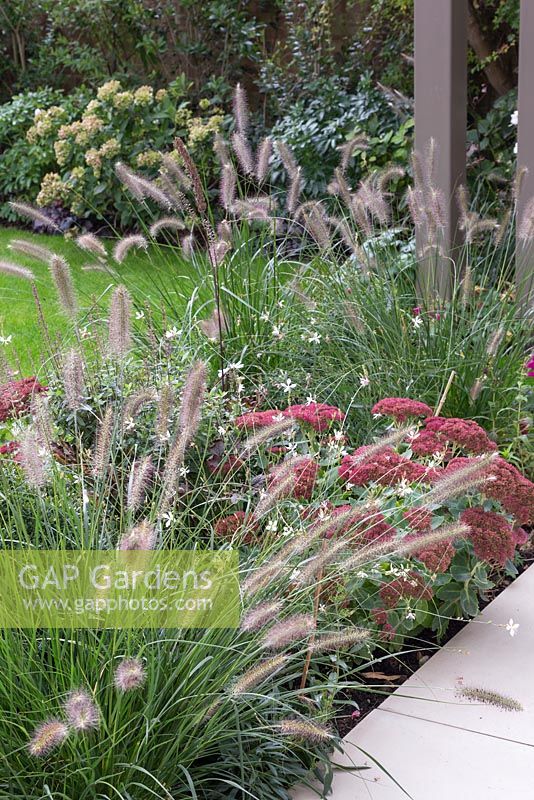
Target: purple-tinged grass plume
x,y
31,249
141,537
287,631
81,711
129,675
119,328
47,737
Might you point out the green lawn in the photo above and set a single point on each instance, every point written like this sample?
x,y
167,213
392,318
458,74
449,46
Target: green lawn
x,y
18,313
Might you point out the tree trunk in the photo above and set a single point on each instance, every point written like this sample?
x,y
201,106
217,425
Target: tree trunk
x,y
495,73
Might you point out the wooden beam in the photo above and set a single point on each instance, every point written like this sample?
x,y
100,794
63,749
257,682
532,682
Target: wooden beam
x,y
441,114
525,152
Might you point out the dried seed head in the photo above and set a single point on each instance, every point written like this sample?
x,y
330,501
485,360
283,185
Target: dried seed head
x,y
103,443
286,156
16,270
228,187
295,189
62,278
34,459
347,150
142,188
140,537
463,479
305,730
31,249
120,337
165,406
190,168
140,477
243,153
73,380
258,674
47,737
166,224
130,674
81,711
91,243
135,403
287,631
123,247
35,214
264,434
214,326
339,641
261,615
263,158
187,246
240,107
488,697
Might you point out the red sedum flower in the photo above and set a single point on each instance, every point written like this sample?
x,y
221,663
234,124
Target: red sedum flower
x,y
258,419
440,432
492,535
319,415
15,397
401,408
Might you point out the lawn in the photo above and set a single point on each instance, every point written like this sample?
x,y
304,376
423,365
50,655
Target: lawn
x,y
18,316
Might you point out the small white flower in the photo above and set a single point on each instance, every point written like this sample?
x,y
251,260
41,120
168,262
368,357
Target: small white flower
x,y
272,526
288,531
287,386
403,488
167,518
129,424
410,615
515,149
364,380
173,333
310,399
184,471
221,430
512,627
139,314
6,339
514,118
315,338
277,332
417,322
264,316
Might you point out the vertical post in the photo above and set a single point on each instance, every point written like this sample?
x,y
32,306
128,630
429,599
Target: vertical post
x,y
525,153
441,114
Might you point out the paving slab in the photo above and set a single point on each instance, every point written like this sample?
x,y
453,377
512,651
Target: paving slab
x,y
430,761
435,744
483,655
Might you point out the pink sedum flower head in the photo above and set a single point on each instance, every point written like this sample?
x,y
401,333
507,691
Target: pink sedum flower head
x,y
305,474
258,419
440,432
47,737
492,535
15,397
319,415
81,711
130,674
401,408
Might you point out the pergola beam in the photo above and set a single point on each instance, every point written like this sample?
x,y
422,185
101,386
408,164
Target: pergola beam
x,y
441,114
525,153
